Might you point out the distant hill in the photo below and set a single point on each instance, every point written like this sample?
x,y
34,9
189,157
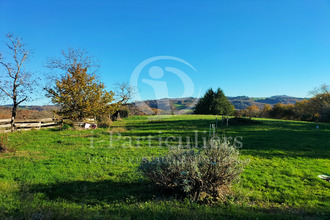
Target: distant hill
x,y
179,105
162,106
30,112
240,102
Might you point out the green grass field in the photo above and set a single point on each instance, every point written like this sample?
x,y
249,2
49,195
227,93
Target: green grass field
x,y
92,174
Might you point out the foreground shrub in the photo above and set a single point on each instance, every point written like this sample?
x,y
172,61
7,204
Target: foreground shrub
x,y
207,173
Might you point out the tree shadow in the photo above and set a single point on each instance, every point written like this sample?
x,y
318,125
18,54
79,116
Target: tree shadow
x,y
126,197
268,139
286,143
88,192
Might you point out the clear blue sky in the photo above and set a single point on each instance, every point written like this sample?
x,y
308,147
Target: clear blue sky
x,y
248,47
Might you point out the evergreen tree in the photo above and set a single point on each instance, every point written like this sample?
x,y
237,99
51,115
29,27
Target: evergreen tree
x,y
204,105
214,103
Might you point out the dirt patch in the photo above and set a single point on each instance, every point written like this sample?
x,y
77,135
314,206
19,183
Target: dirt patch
x,y
36,155
117,130
4,144
3,150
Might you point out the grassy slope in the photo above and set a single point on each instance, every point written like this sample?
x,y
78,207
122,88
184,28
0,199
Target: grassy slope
x,y
59,174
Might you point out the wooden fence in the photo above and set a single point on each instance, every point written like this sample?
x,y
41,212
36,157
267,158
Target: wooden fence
x,y
28,124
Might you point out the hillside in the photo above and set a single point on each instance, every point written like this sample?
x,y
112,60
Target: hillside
x,y
163,106
240,102
32,112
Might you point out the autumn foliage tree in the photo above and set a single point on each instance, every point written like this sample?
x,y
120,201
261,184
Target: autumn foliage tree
x,y
302,110
317,108
264,112
77,89
252,111
80,95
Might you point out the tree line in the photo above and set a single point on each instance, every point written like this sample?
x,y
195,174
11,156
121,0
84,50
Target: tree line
x,y
316,108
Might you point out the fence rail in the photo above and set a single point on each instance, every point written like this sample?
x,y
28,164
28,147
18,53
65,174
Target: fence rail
x,y
28,124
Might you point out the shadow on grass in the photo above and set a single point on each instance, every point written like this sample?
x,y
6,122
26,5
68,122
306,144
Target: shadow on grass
x,y
288,143
264,138
87,192
133,201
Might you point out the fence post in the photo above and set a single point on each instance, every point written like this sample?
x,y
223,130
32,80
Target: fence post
x,y
12,124
216,123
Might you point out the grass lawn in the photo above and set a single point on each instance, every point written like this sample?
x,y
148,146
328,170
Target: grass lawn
x,y
91,174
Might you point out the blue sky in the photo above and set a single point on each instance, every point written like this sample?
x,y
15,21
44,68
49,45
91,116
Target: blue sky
x,y
248,47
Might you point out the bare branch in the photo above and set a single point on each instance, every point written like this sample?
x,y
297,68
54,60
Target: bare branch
x,y
23,100
7,66
124,92
71,58
324,88
7,93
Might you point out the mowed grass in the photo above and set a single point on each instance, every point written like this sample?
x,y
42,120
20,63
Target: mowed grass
x,y
92,174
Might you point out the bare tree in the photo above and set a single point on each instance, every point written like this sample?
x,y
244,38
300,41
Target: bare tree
x,y
323,91
124,92
16,83
320,102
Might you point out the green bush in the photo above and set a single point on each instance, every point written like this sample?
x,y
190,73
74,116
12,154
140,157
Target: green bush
x,y
197,174
123,112
66,126
104,122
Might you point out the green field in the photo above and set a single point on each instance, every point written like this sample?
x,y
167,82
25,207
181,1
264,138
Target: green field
x,y
92,174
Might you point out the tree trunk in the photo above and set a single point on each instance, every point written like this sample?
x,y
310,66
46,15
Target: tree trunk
x,y
13,116
227,120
